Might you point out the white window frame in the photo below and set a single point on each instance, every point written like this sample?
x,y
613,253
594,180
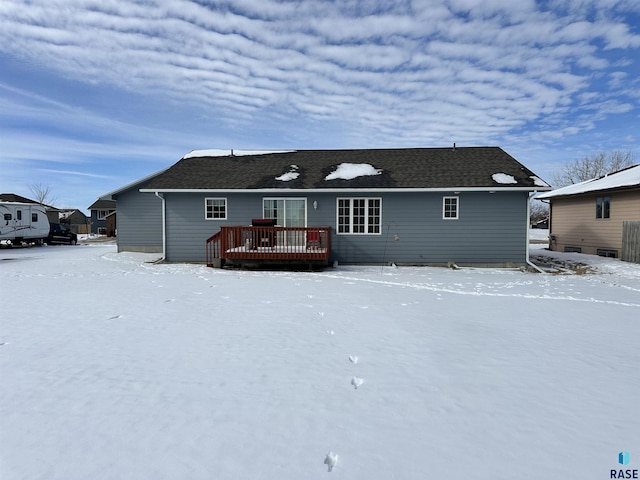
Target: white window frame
x,y
602,202
102,214
444,207
206,207
367,216
284,212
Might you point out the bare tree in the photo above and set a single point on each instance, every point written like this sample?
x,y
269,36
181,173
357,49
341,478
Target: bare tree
x,y
538,211
593,166
42,193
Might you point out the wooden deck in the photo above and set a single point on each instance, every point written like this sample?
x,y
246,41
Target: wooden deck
x,y
269,245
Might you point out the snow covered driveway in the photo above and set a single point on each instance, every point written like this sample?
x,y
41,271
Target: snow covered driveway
x,y
113,368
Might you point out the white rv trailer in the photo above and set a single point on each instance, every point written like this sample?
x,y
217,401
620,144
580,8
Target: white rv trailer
x,y
23,222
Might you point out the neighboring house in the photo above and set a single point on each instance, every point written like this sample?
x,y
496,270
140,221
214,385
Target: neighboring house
x,y
12,197
138,220
111,224
468,206
590,217
544,224
100,209
77,221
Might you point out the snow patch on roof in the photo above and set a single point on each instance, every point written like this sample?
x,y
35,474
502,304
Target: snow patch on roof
x,y
539,182
349,171
227,153
503,178
290,175
625,178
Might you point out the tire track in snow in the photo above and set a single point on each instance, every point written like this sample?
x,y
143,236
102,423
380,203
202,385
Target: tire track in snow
x,y
478,293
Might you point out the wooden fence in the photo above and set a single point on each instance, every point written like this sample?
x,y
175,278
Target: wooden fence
x,y
630,242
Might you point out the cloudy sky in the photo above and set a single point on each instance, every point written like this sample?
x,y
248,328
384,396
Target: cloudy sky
x,y
97,93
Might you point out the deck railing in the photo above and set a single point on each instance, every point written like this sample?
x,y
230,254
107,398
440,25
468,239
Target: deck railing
x,y
249,243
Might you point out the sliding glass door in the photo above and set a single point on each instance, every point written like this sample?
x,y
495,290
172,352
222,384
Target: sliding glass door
x,y
288,212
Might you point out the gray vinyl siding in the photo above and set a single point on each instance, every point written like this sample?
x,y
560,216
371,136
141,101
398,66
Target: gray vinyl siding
x,y
96,224
139,222
188,230
491,229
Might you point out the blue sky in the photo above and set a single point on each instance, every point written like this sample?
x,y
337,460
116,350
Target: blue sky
x,y
96,94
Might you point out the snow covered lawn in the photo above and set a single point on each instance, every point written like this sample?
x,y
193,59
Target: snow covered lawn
x,y
114,368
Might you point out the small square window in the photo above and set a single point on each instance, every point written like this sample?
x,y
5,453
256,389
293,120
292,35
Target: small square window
x,y
215,208
450,208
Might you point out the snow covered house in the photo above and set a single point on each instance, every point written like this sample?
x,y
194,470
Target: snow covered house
x,y
430,206
599,216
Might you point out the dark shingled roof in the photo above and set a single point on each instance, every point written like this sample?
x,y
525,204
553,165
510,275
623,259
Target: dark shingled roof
x,y
460,167
101,204
12,197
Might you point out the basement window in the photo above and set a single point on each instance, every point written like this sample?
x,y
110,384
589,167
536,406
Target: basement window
x,y
605,252
569,249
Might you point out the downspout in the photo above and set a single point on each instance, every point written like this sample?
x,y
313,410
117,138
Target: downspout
x,y
164,228
529,262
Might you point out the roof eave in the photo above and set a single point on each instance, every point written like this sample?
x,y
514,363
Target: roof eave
x,y
551,195
343,190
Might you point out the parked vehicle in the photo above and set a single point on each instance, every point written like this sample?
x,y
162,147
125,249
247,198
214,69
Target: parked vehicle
x,y
23,223
60,233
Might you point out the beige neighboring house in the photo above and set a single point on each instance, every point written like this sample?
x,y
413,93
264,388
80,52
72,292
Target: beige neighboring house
x,y
599,217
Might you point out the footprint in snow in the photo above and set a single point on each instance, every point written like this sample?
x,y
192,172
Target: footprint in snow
x,y
353,359
320,314
330,332
331,460
169,301
356,382
115,317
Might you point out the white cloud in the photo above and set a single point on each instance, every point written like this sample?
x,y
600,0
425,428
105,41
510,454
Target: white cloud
x,y
402,72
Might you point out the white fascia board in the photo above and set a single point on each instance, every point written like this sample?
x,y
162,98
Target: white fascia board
x,y
344,190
